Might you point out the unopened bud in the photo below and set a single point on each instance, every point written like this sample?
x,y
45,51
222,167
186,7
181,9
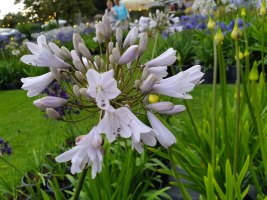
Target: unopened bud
x,y
57,51
106,23
254,74
76,91
148,84
160,106
64,75
116,54
101,36
79,66
50,102
218,36
98,61
153,98
236,33
56,74
102,64
211,24
129,55
79,76
66,52
263,8
76,40
53,114
179,57
134,36
246,53
127,106
145,71
83,91
110,47
111,60
243,12
137,84
142,44
240,55
85,52
103,31
119,36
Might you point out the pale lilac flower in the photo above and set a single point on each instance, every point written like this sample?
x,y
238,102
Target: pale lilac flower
x,y
166,138
35,85
160,106
129,55
88,150
57,51
116,122
175,20
142,44
178,85
145,138
176,110
131,38
102,87
148,84
159,72
50,102
165,59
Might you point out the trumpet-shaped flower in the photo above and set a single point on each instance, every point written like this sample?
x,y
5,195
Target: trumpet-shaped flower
x,y
116,122
159,72
145,138
35,85
178,85
165,59
166,138
87,151
102,87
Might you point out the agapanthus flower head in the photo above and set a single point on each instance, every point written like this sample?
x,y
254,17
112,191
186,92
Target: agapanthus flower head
x,y
112,90
5,148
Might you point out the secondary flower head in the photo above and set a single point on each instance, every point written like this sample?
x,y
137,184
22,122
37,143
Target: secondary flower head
x,y
254,74
263,8
219,36
115,90
236,33
211,23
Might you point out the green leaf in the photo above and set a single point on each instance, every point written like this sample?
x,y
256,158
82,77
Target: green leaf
x,y
229,180
158,192
45,196
220,192
242,173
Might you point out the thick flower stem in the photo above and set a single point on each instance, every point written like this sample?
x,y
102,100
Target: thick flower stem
x,y
80,184
224,101
213,157
155,44
262,51
246,47
107,47
176,175
260,131
236,160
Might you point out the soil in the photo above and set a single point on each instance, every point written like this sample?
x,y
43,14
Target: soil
x,y
23,190
69,143
63,182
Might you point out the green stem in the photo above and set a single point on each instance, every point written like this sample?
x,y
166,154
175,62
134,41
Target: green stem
x,y
107,56
213,156
173,72
155,44
262,51
80,184
236,160
258,118
176,175
224,101
11,164
246,48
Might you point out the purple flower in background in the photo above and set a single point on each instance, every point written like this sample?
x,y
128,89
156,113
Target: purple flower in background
x,y
185,18
194,22
201,26
5,148
188,26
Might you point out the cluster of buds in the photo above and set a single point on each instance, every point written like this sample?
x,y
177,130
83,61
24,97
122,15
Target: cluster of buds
x,y
117,90
159,22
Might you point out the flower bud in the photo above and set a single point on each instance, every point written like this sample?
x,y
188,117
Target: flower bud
x,y
102,29
85,52
76,91
137,84
101,36
79,66
119,36
79,76
148,84
57,51
211,24
236,33
254,74
179,57
176,110
243,12
53,114
66,52
76,40
263,8
56,74
98,61
142,44
102,64
111,60
127,106
246,53
64,75
160,106
83,91
153,98
116,54
106,23
218,36
145,71
134,36
129,55
50,102
110,47
240,55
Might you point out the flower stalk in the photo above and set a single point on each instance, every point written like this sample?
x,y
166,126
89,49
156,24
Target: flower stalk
x,y
155,45
80,184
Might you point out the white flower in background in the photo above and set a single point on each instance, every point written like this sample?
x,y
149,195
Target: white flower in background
x,y
88,151
116,122
230,7
207,6
102,87
15,52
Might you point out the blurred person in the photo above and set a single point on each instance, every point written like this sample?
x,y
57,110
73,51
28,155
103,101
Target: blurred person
x,y
122,13
183,7
111,12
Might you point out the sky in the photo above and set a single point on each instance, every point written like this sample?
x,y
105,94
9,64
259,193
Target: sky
x,y
8,6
